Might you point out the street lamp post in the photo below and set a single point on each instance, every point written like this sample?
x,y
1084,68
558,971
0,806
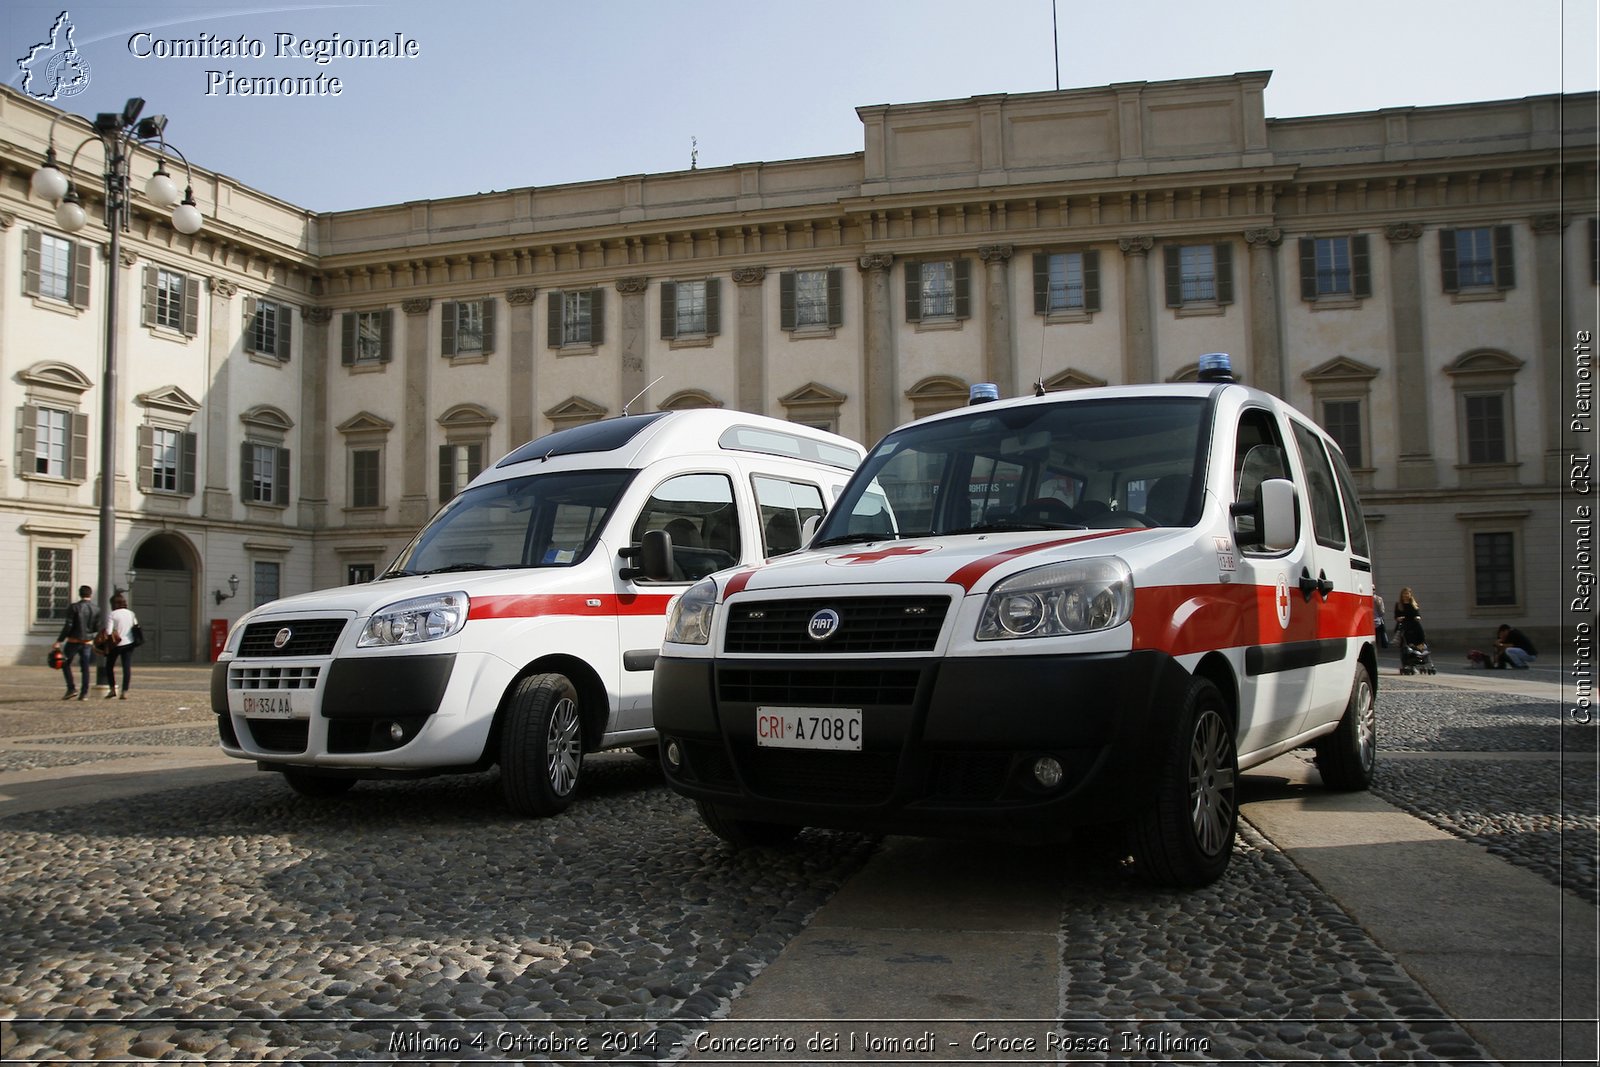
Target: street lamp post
x,y
119,134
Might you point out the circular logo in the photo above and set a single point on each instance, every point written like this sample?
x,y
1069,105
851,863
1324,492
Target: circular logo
x,y
281,638
823,625
1283,601
67,74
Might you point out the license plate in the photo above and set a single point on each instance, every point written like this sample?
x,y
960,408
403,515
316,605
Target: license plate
x,y
830,728
290,705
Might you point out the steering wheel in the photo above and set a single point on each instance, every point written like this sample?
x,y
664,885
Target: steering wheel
x,y
1046,510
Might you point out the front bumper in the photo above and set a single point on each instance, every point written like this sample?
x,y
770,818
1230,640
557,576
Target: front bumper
x,y
948,745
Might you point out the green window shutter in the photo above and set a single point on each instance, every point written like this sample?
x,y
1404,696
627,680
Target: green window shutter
x,y
835,296
1173,264
447,328
245,474
81,258
79,460
963,288
1041,283
347,338
669,310
553,319
1224,261
1308,268
191,306
474,461
280,484
488,325
786,300
250,312
189,463
597,315
1505,272
146,461
32,255
149,313
1361,265
713,306
386,336
446,482
1451,277
1091,280
285,324
28,422
913,291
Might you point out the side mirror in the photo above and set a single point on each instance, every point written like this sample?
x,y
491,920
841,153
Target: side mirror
x,y
1271,520
654,553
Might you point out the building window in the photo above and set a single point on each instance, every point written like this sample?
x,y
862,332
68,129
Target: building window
x,y
1199,275
458,465
466,328
691,309
167,460
366,478
265,586
1494,569
55,268
938,290
1486,427
576,319
265,474
1478,258
359,573
1335,268
171,301
267,325
810,299
1342,420
52,585
1066,283
52,442
365,337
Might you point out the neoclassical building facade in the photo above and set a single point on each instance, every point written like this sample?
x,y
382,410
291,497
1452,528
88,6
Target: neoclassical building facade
x,y
297,392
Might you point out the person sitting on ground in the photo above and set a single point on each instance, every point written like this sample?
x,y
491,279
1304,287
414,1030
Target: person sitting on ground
x,y
1512,648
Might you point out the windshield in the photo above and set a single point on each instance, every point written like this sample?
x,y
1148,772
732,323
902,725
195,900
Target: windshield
x,y
543,520
1100,464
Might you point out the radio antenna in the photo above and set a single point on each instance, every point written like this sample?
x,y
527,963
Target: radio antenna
x,y
1038,383
640,393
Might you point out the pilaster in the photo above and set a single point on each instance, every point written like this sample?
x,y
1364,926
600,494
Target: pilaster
x,y
878,360
1553,342
1415,465
634,340
522,367
1138,350
414,509
314,430
998,365
752,353
218,502
1266,311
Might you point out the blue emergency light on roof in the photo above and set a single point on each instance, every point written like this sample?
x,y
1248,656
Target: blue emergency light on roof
x,y
1216,367
982,393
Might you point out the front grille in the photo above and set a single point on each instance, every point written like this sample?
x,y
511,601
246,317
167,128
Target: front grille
x,y
819,687
866,624
307,637
273,677
280,735
971,777
821,777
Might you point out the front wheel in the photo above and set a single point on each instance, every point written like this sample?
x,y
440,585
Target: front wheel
x,y
1185,838
541,745
1347,757
744,833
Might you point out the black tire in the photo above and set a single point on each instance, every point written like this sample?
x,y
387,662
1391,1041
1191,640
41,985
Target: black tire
x,y
744,833
1185,838
1347,757
318,786
541,745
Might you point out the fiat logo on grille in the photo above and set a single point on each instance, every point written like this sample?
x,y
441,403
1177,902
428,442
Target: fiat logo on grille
x,y
281,638
823,625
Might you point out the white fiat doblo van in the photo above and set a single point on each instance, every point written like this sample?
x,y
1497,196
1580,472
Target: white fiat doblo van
x,y
1092,607
521,625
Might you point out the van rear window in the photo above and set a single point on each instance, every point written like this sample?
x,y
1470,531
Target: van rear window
x,y
590,437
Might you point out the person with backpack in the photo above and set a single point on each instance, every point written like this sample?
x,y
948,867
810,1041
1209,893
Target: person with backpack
x,y
76,641
122,626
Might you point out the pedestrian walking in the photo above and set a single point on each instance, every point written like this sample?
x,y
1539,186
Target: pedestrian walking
x,y
76,641
121,625
1379,629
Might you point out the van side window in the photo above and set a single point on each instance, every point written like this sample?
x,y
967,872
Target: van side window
x,y
785,507
1352,506
1257,456
1326,519
698,512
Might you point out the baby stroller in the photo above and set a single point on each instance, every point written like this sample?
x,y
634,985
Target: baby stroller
x,y
1414,655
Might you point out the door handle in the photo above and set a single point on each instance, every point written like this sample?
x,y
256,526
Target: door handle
x,y
1324,586
1319,584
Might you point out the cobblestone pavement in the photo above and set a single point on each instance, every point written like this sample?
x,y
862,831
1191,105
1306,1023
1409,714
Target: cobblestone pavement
x,y
236,922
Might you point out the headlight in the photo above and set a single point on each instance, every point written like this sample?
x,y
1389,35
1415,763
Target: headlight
x,y
410,622
1063,598
690,620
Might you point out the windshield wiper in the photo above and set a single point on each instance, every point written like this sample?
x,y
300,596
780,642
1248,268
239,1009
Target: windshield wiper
x,y
854,539
396,573
999,525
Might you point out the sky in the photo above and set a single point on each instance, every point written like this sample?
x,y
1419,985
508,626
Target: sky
x,y
500,95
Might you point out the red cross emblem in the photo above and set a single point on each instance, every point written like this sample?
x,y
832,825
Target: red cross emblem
x,y
850,559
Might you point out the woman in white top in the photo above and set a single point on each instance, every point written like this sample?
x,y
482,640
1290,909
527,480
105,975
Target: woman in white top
x,y
121,624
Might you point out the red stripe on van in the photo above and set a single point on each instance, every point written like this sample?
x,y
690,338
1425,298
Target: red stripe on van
x,y
737,583
1184,619
968,576
532,605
